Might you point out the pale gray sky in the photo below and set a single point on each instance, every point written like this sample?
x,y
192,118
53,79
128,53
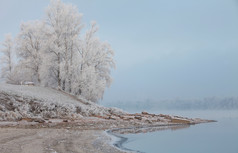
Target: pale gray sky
x,y
163,49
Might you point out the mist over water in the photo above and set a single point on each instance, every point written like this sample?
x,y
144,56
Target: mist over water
x,y
216,137
211,103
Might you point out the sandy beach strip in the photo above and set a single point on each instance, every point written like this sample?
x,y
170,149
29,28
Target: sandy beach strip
x,y
15,140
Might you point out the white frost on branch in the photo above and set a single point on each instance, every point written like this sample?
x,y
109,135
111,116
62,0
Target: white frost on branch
x,y
6,61
94,67
30,46
52,52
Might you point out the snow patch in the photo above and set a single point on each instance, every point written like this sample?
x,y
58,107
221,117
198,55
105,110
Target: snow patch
x,y
17,102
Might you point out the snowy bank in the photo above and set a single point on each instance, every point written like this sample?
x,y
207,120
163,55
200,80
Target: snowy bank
x,y
20,101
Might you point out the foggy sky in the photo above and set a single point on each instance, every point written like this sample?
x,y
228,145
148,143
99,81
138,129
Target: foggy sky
x,y
163,49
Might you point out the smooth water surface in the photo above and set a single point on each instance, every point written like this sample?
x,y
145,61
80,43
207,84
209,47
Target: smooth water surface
x,y
216,137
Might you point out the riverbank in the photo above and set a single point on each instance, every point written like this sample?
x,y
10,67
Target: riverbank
x,y
33,117
83,135
55,140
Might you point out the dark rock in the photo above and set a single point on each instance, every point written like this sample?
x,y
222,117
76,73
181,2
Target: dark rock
x,y
1,108
144,113
78,109
138,117
112,118
137,114
39,120
65,120
149,121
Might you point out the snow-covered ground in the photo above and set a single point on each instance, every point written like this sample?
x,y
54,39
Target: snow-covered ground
x,y
21,101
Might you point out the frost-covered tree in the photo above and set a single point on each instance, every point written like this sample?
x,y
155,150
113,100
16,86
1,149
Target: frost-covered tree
x,y
64,23
52,52
7,64
30,46
93,67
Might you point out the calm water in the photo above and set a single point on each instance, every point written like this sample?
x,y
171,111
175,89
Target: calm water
x,y
218,137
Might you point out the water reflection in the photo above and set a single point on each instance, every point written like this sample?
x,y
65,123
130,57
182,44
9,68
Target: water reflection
x,y
136,130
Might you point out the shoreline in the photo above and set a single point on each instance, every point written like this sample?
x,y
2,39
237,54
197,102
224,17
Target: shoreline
x,y
117,141
17,138
41,116
120,140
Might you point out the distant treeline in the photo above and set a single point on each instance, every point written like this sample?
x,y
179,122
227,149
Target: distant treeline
x,y
180,104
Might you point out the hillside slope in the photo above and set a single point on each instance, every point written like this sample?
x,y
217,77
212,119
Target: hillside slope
x,y
19,101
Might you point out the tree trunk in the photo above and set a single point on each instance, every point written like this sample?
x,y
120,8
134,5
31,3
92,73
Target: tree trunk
x,y
58,72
